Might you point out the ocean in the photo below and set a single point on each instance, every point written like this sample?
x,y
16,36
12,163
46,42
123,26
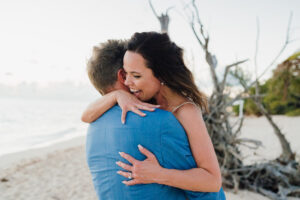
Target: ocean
x,y
33,123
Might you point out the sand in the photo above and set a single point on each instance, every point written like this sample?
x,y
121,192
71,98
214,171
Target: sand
x,y
60,171
61,174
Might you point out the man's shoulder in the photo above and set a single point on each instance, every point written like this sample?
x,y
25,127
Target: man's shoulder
x,y
158,117
113,111
116,110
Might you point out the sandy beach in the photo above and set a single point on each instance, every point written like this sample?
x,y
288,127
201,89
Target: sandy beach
x,y
60,171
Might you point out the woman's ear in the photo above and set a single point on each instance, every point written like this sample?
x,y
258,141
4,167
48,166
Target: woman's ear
x,y
121,76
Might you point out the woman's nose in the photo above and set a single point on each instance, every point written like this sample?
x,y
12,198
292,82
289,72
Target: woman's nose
x,y
127,81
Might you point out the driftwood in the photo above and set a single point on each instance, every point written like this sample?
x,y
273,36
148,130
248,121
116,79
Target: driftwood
x,y
275,179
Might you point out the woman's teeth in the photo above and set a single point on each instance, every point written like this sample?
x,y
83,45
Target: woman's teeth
x,y
134,91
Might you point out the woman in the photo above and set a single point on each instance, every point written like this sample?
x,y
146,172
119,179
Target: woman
x,y
155,69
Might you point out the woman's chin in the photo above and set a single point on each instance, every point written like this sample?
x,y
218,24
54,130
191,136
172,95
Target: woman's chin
x,y
141,97
138,95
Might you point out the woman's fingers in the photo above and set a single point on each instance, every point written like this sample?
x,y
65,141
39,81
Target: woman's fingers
x,y
131,182
125,174
128,157
123,116
146,152
137,111
133,109
135,106
150,105
124,166
143,107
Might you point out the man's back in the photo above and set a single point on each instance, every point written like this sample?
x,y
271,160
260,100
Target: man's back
x,y
107,136
159,132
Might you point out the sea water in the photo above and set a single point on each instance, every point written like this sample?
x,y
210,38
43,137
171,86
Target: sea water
x,y
31,123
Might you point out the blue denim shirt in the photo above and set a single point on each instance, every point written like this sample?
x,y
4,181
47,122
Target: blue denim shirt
x,y
160,132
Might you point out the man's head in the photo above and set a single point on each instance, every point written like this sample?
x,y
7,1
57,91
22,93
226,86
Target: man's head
x,y
105,66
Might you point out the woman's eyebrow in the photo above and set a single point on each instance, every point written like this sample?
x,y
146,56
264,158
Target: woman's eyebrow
x,y
134,72
130,72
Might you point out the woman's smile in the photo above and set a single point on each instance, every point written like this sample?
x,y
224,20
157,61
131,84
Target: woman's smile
x,y
139,78
136,93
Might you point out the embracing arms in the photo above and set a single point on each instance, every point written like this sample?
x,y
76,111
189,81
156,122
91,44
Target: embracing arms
x,y
126,101
203,176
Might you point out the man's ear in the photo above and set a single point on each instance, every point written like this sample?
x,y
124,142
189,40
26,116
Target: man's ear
x,y
121,76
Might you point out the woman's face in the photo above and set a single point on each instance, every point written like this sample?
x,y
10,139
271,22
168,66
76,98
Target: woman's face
x,y
139,78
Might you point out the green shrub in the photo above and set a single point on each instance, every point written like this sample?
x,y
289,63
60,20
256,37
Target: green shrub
x,y
236,109
293,113
277,107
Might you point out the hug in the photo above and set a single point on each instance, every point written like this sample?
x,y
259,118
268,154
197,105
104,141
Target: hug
x,y
147,138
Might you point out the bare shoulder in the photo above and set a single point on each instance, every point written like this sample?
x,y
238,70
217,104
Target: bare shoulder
x,y
188,111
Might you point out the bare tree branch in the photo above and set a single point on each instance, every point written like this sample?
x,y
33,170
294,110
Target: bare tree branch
x,y
287,41
153,10
286,151
256,47
227,68
163,18
168,9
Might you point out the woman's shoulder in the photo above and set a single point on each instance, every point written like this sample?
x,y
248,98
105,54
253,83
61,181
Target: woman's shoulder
x,y
188,111
187,106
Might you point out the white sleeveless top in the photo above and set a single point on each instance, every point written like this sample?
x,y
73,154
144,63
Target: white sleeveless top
x,y
177,107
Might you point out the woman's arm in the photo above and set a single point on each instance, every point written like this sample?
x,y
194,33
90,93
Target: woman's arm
x,y
126,101
205,178
98,107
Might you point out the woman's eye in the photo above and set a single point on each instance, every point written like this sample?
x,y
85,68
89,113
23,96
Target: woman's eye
x,y
136,76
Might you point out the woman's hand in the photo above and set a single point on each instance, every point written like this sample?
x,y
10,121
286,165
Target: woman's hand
x,y
141,172
129,102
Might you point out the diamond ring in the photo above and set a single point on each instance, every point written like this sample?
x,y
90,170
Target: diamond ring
x,y
130,175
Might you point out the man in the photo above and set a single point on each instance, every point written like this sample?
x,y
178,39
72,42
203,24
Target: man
x,y
158,131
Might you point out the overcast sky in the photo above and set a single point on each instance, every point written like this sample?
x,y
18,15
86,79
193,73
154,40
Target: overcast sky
x,y
48,41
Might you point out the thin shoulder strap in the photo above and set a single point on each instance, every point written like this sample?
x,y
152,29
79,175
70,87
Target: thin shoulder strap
x,y
177,107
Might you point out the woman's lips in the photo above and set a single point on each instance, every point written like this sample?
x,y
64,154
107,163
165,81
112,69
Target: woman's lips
x,y
135,92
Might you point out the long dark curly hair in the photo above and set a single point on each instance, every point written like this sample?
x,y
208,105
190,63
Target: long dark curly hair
x,y
165,59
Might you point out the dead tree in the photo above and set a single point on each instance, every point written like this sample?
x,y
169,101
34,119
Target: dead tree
x,y
286,153
163,19
276,179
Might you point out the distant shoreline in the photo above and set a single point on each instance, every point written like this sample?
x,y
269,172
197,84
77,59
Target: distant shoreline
x,y
11,159
290,127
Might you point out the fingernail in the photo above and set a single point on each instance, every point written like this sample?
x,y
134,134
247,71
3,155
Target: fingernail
x,y
124,182
118,162
118,172
121,153
123,122
140,146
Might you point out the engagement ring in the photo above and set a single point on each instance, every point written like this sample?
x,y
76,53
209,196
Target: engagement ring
x,y
130,176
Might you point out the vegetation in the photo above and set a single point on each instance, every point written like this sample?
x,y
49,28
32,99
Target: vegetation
x,y
281,91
